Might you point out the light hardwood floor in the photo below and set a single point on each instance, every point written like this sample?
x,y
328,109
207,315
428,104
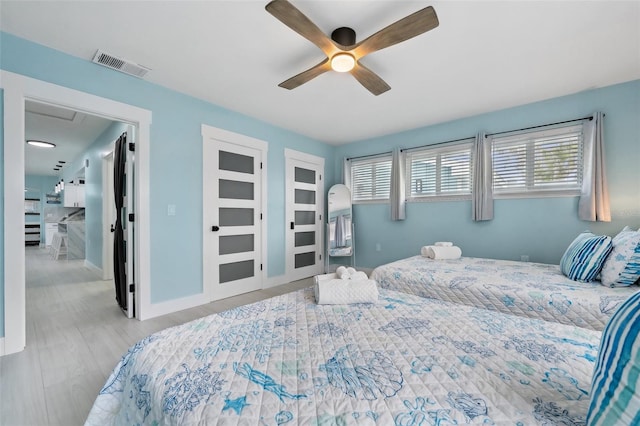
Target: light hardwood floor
x,y
75,336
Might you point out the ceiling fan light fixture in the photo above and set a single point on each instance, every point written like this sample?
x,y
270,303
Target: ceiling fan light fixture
x,y
343,62
41,144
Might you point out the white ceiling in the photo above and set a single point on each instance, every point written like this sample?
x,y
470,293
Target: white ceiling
x,y
484,56
72,132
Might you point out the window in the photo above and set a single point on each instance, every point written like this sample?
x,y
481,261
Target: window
x,y
371,179
538,162
439,172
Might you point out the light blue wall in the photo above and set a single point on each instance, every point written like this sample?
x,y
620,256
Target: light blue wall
x,y
176,160
2,207
541,228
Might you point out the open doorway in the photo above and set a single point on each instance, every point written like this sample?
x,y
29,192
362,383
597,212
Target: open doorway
x,y
68,194
17,90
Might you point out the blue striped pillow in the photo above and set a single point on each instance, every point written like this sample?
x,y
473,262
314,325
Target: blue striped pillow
x,y
585,256
615,397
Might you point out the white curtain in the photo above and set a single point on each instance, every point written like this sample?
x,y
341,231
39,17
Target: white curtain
x,y
346,172
594,198
397,195
482,191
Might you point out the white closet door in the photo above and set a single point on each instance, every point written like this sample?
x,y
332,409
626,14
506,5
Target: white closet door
x,y
305,208
232,218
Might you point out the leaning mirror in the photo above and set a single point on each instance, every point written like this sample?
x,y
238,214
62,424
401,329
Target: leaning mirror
x,y
340,242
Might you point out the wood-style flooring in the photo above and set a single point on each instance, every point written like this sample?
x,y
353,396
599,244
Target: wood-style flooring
x,y
76,334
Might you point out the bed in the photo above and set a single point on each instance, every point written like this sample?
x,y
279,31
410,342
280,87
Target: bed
x,y
523,288
405,360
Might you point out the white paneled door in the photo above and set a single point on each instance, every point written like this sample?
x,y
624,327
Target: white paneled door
x,y
304,213
233,213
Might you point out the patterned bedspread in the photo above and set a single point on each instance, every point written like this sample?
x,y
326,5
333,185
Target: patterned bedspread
x,y
405,361
522,288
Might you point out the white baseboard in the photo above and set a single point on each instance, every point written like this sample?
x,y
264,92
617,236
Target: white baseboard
x,y
275,281
1,346
92,267
171,306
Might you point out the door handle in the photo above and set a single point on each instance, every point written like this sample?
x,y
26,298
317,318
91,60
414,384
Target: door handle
x,y
292,225
112,228
215,228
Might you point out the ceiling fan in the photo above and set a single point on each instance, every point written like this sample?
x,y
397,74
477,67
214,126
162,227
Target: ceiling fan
x,y
342,52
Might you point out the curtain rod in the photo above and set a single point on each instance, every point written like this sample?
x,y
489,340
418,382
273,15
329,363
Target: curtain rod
x,y
590,117
438,143
542,125
369,155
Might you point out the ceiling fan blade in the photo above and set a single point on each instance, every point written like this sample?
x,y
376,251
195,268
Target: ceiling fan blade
x,y
307,75
370,80
289,15
408,27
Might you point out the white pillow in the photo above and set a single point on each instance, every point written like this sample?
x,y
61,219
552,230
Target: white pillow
x,y
622,267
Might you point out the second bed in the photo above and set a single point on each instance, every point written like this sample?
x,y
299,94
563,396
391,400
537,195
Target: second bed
x,y
527,289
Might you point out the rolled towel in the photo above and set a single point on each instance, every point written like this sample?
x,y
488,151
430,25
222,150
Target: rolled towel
x,y
427,251
337,292
444,244
342,273
442,253
351,270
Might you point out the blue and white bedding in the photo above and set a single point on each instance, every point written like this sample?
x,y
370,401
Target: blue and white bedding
x,y
522,288
405,360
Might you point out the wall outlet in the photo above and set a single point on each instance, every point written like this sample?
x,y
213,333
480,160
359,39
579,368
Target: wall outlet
x,y
378,247
524,258
171,210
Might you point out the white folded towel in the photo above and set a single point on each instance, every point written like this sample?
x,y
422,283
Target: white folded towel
x,y
443,244
358,275
338,292
439,252
325,277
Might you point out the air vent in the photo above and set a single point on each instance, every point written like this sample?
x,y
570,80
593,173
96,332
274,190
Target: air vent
x,y
120,64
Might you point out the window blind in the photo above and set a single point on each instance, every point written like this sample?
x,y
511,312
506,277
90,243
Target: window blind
x,y
542,160
441,171
371,179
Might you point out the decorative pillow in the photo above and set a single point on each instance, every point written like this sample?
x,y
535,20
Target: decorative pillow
x,y
615,390
622,267
585,256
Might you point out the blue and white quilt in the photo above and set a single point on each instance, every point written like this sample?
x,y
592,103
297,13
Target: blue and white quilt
x,y
522,288
404,361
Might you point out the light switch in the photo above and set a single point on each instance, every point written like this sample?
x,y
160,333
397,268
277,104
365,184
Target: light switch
x,y
171,210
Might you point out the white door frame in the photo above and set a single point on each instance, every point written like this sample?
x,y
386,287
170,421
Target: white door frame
x,y
290,272
18,89
108,216
210,133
